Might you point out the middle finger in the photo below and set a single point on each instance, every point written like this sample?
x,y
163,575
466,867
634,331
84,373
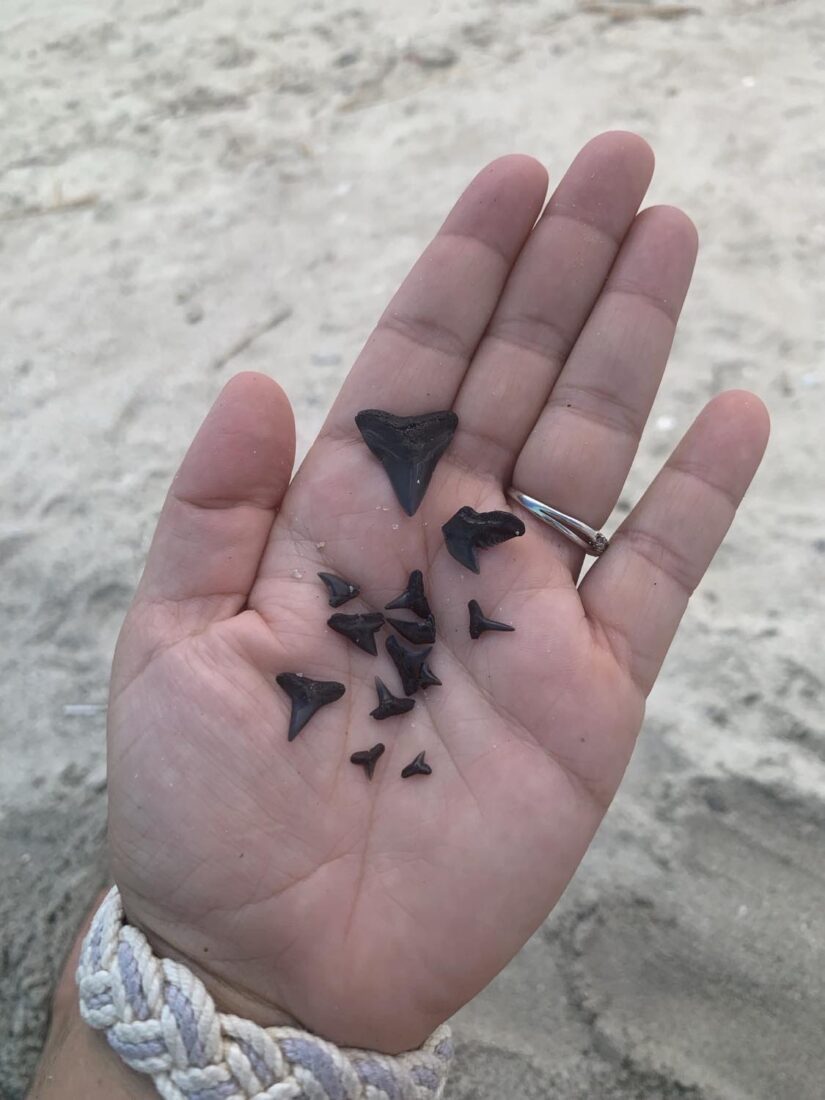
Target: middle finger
x,y
580,451
547,300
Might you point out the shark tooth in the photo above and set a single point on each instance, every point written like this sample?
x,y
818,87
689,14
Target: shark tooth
x,y
412,598
307,697
419,766
389,705
408,447
479,621
368,758
417,633
469,531
412,666
339,590
428,677
360,629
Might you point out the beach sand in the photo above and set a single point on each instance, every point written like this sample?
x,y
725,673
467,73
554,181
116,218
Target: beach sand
x,y
189,188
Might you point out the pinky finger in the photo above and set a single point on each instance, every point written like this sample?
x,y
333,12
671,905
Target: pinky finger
x,y
636,594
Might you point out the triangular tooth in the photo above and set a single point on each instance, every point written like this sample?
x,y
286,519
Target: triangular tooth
x,y
419,766
389,705
417,633
412,598
428,677
368,758
308,696
340,591
479,621
360,629
408,447
412,666
468,531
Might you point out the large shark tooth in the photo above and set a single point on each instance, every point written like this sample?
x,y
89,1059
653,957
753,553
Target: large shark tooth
x,y
417,633
360,629
479,621
412,598
408,447
339,590
307,697
419,766
412,666
368,758
469,530
389,705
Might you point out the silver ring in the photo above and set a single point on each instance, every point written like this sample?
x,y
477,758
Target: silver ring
x,y
586,538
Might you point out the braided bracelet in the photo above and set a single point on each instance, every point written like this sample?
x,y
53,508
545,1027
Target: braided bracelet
x,y
159,1018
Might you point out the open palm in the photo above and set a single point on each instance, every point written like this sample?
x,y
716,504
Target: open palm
x,y
369,911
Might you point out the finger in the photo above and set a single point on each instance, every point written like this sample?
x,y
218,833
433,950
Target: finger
x,y
221,505
547,300
417,355
579,453
636,594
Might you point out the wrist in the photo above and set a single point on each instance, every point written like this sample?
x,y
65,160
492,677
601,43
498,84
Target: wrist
x,y
230,997
77,1062
162,1021
237,989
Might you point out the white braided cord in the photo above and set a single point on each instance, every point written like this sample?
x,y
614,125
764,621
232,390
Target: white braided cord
x,y
159,1018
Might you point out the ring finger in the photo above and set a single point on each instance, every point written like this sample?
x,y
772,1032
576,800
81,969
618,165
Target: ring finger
x,y
580,450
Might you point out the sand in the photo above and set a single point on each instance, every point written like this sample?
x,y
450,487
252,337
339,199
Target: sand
x,y
193,187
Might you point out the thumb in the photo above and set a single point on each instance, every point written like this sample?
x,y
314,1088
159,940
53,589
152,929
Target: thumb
x,y
223,500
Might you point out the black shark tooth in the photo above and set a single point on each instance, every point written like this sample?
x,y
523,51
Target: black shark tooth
x,y
418,767
412,666
360,629
368,758
307,697
417,633
412,598
469,531
339,590
389,705
408,447
479,621
428,677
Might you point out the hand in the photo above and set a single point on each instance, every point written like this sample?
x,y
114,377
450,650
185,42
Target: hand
x,y
369,912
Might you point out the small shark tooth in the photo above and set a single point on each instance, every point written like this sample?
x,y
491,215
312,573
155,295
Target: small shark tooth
x,y
408,447
412,666
339,590
389,705
428,677
412,598
479,621
417,633
307,697
469,531
418,767
368,758
360,629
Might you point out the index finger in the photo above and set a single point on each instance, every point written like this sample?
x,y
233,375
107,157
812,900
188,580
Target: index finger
x,y
417,355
